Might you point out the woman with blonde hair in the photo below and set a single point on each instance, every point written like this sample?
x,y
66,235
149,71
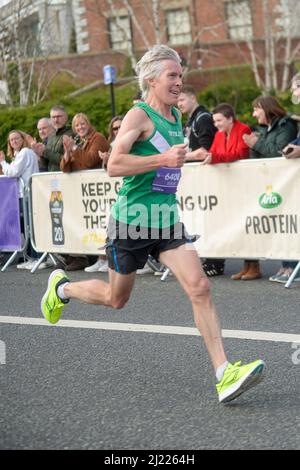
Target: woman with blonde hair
x,y
81,153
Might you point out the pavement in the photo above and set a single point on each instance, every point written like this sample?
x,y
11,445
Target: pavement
x,y
140,378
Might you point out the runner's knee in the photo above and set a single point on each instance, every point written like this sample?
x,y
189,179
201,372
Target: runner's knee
x,y
198,289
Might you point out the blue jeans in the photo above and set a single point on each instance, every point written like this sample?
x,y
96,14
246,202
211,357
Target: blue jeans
x,y
289,264
30,250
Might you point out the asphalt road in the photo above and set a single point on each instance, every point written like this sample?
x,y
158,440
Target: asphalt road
x,y
88,388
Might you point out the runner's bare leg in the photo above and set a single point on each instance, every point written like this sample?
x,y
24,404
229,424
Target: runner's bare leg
x,y
114,293
186,266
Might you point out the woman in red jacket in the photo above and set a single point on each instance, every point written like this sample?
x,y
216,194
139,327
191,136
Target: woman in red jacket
x,y
228,145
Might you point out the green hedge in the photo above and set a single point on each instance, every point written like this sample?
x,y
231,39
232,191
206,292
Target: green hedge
x,y
238,89
96,104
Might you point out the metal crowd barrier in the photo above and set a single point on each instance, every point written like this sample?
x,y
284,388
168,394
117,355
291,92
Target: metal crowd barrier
x,y
25,237
29,234
45,254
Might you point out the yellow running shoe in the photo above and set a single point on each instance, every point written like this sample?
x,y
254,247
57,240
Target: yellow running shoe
x,y
237,379
52,305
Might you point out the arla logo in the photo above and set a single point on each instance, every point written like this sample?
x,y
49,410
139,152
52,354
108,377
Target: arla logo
x,y
269,199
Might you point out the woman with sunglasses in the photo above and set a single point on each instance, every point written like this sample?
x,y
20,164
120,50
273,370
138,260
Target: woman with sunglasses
x,y
113,129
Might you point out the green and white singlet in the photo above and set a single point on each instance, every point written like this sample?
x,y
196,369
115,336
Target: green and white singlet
x,y
141,199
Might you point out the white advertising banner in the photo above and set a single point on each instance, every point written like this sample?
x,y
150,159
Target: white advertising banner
x,y
246,209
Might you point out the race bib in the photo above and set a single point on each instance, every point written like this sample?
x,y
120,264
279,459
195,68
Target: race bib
x,y
166,180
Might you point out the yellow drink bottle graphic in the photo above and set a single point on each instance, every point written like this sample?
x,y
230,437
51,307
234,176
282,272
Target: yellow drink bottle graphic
x,y
56,211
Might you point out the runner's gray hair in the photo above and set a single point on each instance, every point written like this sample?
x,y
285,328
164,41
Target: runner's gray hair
x,y
151,64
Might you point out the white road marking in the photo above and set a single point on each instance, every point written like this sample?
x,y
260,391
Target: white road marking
x,y
162,329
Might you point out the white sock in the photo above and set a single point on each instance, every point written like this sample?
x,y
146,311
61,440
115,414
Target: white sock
x,y
220,370
60,291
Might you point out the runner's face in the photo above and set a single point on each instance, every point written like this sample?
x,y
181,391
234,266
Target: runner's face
x,y
168,84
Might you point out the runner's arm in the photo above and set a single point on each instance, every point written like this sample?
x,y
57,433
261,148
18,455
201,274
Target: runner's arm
x,y
137,126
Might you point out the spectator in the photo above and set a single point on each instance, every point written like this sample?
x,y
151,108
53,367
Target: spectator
x,y
83,154
45,129
228,146
101,265
275,131
200,129
199,134
113,129
52,152
292,150
23,159
137,98
24,162
276,128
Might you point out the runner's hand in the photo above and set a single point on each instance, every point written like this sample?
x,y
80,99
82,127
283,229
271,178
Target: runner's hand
x,y
176,155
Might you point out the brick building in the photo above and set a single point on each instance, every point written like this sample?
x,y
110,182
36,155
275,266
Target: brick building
x,y
84,35
207,33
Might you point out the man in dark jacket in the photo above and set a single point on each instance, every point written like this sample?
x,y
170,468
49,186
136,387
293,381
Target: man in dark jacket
x,y
200,129
54,149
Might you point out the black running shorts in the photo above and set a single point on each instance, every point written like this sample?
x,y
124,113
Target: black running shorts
x,y
128,246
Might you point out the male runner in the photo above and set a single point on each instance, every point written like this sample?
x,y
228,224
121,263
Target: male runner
x,y
149,153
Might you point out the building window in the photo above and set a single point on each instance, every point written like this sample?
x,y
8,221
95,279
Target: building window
x,y
29,35
287,19
179,27
120,33
238,14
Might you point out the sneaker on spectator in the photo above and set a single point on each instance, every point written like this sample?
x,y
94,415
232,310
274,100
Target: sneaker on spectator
x,y
278,274
96,266
30,265
104,267
212,269
144,270
283,276
48,262
77,263
25,264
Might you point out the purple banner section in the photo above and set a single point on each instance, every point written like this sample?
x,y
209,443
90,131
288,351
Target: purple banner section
x,y
10,228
